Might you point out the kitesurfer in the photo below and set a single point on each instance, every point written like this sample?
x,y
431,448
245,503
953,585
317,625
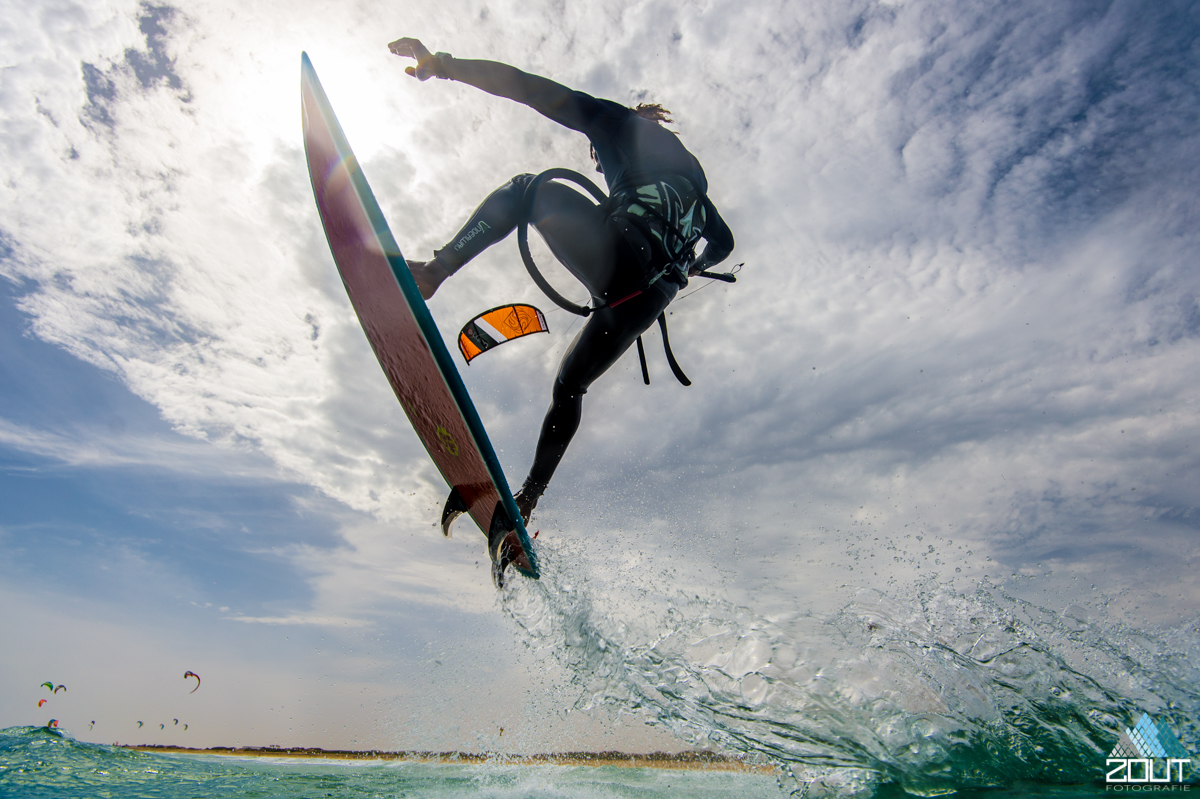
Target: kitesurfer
x,y
633,253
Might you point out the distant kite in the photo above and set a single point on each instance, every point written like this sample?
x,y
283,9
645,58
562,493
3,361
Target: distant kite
x,y
187,674
497,326
51,724
161,726
176,722
41,702
139,725
60,688
49,685
92,724
185,726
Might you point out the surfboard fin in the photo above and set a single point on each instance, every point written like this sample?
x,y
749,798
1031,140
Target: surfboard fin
x,y
506,550
455,507
504,547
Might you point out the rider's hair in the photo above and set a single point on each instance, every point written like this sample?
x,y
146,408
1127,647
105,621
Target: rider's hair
x,y
653,112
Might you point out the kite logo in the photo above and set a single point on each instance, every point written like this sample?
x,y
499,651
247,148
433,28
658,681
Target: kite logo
x,y
1148,757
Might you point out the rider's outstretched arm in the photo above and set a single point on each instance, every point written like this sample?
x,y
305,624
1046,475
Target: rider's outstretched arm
x,y
718,240
543,95
553,100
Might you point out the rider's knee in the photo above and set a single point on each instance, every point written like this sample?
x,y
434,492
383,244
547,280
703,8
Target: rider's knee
x,y
568,391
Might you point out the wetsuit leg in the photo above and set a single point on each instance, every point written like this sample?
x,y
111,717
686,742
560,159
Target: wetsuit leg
x,y
491,222
605,337
577,231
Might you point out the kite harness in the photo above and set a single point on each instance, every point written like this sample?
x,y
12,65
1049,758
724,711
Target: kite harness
x,y
658,260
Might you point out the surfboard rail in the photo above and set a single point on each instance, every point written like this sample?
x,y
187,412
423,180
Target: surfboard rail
x,y
398,324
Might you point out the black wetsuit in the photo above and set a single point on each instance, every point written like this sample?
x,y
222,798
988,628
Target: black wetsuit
x,y
632,152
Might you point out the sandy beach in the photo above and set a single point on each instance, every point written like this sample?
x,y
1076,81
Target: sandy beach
x,y
683,760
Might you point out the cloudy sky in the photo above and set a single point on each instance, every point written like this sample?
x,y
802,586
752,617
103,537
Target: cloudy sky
x,y
965,344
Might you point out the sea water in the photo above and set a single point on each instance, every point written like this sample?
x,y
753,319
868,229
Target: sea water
x,y
40,763
929,693
925,692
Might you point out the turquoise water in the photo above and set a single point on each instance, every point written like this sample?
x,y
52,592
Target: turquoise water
x,y
926,693
45,764
937,693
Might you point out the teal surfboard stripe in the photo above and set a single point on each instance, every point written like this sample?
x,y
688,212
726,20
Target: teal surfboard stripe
x,y
433,337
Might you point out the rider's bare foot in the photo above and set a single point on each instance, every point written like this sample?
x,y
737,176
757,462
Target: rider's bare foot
x,y
527,499
428,276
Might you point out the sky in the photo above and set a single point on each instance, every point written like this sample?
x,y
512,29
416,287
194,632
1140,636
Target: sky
x,y
963,347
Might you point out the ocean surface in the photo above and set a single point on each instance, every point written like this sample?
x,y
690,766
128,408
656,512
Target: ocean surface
x,y
976,695
925,692
934,693
39,763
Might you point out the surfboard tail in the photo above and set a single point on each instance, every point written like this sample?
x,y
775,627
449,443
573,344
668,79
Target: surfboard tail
x,y
509,545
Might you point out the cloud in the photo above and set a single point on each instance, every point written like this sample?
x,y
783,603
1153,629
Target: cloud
x,y
318,621
106,450
966,232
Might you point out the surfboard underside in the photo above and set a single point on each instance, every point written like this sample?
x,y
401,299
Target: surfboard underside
x,y
398,324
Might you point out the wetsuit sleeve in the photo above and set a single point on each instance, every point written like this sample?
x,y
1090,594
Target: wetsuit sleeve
x,y
569,108
718,238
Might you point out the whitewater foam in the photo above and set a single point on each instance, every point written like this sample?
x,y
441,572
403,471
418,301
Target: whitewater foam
x,y
933,691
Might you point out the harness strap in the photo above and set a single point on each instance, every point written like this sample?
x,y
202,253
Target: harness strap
x,y
674,364
679,375
642,358
615,303
523,233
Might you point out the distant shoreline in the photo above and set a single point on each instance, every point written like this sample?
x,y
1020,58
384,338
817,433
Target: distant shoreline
x,y
682,760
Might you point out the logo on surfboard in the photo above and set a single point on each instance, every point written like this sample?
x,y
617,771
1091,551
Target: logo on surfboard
x,y
448,442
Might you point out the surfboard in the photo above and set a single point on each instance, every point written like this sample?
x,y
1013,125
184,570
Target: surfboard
x,y
403,335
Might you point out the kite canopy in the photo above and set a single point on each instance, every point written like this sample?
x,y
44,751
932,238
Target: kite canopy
x,y
495,327
187,674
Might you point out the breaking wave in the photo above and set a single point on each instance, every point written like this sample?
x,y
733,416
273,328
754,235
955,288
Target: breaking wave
x,y
930,692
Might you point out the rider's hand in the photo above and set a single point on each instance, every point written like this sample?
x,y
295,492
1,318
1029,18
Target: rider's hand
x,y
412,48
